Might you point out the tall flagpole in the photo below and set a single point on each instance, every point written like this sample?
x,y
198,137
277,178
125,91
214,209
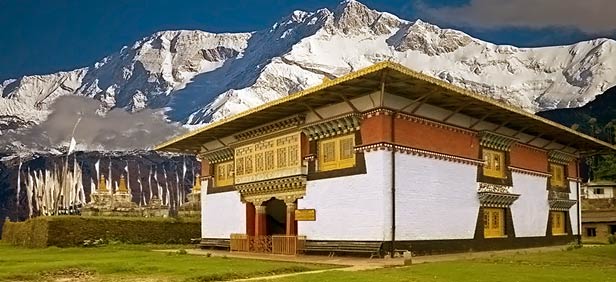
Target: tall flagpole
x,y
71,147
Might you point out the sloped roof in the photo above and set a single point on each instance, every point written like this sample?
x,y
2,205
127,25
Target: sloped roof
x,y
599,216
400,81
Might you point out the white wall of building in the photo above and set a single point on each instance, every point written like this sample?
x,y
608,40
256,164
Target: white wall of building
x,y
608,192
531,210
573,211
222,214
353,207
435,199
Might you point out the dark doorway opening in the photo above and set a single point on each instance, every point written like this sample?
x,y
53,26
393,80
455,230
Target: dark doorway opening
x,y
612,229
276,217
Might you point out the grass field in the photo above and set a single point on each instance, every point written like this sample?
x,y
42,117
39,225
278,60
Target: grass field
x,y
129,263
140,263
597,264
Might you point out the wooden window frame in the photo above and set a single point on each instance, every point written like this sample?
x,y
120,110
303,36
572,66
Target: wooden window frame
x,y
561,182
327,162
489,221
228,174
558,220
489,156
591,232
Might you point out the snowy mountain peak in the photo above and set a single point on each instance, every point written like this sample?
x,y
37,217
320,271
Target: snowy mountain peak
x,y
352,17
201,76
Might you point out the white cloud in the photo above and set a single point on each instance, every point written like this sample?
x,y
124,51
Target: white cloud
x,y
589,16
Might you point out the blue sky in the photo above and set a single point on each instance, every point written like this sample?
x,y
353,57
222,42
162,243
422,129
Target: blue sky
x,y
39,37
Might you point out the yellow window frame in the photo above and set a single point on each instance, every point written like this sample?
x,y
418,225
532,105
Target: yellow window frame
x,y
494,163
223,174
558,222
557,176
336,153
493,223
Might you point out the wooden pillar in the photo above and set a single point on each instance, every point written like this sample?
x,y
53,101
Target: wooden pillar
x,y
250,219
260,220
291,224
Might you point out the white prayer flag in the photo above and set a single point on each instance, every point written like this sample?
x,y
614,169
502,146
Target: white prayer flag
x,y
97,166
71,146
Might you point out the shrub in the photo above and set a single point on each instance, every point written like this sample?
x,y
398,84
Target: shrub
x,y
573,245
611,239
67,231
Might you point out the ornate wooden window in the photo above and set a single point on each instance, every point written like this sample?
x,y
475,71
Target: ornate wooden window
x,y
494,163
336,153
558,222
223,174
557,176
271,158
493,222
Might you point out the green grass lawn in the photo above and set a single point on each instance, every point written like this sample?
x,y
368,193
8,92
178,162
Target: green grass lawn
x,y
597,264
141,263
129,263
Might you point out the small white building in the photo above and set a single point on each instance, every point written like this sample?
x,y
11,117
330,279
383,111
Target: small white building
x,y
602,189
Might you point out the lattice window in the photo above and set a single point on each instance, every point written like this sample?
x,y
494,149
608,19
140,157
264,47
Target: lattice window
x,y
239,166
493,223
293,155
495,163
275,154
557,176
223,174
259,162
248,164
336,153
269,160
558,222
282,157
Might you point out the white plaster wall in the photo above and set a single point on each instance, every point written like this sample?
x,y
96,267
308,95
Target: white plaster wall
x,y
435,199
531,210
608,192
351,207
573,211
222,214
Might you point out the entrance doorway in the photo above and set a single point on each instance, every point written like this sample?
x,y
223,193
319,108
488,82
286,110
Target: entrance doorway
x,y
276,211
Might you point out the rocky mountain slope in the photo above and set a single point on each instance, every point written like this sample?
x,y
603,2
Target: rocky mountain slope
x,y
200,76
597,118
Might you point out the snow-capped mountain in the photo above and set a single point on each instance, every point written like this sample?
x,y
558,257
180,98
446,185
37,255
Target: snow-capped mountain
x,y
201,76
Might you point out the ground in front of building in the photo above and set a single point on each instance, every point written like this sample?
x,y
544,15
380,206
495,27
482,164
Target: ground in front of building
x,y
131,263
141,263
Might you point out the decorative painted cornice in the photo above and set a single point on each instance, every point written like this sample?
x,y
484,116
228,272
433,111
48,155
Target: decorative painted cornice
x,y
553,195
436,124
439,156
332,127
528,172
271,127
496,141
483,187
496,200
381,146
560,157
286,189
218,156
561,204
417,152
377,112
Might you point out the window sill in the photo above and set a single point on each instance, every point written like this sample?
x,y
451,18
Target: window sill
x,y
560,234
496,237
